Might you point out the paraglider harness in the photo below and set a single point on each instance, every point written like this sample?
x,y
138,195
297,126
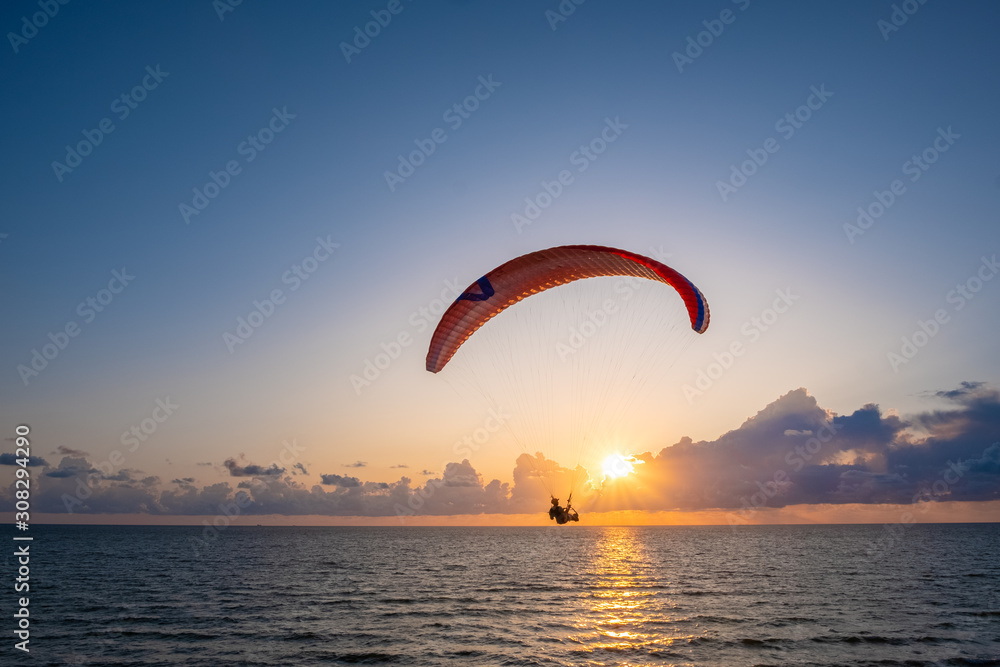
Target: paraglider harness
x,y
563,515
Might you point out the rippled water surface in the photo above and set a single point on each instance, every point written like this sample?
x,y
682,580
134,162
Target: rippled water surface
x,y
767,595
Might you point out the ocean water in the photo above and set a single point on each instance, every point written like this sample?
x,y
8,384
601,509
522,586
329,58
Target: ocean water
x,y
574,595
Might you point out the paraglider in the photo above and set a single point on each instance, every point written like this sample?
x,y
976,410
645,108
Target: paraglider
x,y
521,366
562,514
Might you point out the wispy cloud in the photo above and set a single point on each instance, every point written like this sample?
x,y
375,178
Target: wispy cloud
x,y
69,451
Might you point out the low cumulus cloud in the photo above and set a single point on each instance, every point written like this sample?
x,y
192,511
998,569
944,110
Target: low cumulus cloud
x,y
237,468
340,480
791,452
70,466
356,464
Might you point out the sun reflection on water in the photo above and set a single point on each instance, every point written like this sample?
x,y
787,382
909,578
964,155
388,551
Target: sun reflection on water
x,y
628,606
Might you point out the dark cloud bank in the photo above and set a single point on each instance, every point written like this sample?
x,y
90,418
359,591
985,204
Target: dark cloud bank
x,y
792,452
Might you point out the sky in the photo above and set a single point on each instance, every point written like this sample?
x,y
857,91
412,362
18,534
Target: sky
x,y
218,216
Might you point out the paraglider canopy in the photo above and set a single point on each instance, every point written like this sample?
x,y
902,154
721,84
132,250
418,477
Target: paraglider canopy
x,y
538,271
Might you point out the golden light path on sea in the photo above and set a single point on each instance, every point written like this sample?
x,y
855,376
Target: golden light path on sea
x,y
628,607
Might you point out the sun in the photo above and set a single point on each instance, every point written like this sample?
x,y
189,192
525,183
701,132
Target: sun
x,y
616,466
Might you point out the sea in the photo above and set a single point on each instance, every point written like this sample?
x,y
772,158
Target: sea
x,y
561,595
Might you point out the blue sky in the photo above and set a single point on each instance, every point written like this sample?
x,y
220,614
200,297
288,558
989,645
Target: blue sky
x,y
345,123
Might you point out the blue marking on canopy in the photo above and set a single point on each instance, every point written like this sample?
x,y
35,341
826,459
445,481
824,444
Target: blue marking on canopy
x,y
486,291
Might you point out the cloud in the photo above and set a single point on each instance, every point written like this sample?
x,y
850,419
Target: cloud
x,y
338,480
536,478
62,473
71,466
10,459
204,463
68,451
427,472
123,475
401,465
186,483
459,490
251,470
356,464
964,391
792,452
301,468
82,489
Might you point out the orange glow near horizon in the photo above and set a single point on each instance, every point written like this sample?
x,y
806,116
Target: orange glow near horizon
x,y
938,512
